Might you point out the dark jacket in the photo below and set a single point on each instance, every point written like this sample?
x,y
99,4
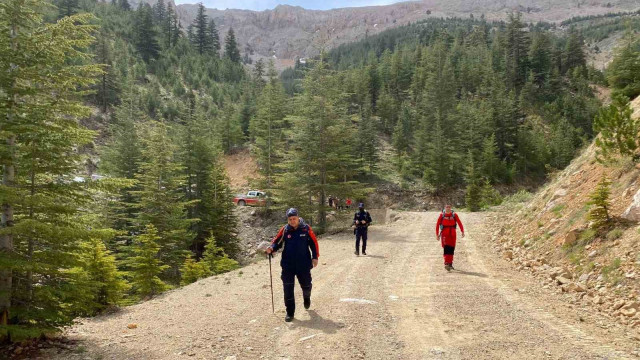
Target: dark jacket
x,y
300,246
362,215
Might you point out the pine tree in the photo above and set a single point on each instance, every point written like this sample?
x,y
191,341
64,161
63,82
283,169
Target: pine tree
x,y
202,39
229,128
490,166
160,12
192,271
67,7
223,221
121,158
215,259
145,33
231,47
403,133
387,110
212,31
107,89
562,144
624,71
599,211
368,143
146,265
473,193
618,130
107,283
540,57
489,195
258,73
574,54
159,199
171,29
41,234
124,4
516,47
320,155
267,128
206,186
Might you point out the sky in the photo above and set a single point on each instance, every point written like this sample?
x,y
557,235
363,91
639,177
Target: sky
x,y
270,4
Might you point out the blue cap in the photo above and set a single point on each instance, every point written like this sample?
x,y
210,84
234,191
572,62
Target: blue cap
x,y
292,212
361,205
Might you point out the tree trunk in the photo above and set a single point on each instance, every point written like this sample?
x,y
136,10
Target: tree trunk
x,y
8,177
6,240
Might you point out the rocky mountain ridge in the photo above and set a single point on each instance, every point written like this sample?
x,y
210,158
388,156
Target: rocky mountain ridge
x,y
287,32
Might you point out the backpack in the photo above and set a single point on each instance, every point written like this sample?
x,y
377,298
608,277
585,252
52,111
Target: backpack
x,y
453,216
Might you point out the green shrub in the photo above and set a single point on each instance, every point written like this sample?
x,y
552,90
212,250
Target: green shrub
x,y
614,234
557,210
489,195
521,196
587,236
609,271
192,271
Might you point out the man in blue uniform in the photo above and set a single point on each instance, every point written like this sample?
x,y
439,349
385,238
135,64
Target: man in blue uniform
x,y
299,256
361,222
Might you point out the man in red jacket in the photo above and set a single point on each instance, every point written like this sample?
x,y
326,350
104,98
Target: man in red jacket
x,y
446,233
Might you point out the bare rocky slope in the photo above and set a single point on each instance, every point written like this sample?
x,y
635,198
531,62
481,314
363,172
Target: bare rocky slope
x,y
289,31
551,238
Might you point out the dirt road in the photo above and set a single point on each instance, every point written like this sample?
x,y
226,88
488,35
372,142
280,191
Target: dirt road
x,y
396,303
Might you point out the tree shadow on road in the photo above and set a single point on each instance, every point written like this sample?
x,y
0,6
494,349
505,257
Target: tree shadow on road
x,y
319,323
470,273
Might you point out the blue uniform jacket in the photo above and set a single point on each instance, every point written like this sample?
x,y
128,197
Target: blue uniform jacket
x,y
299,247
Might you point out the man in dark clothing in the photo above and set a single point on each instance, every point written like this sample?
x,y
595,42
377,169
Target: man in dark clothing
x,y
299,256
361,222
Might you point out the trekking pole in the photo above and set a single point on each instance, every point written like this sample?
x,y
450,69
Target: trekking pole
x,y
273,309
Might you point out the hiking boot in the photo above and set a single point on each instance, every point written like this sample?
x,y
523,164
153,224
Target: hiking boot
x,y
307,303
451,266
357,253
447,267
288,318
364,253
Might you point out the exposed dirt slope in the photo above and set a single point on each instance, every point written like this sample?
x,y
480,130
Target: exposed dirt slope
x,y
550,237
240,168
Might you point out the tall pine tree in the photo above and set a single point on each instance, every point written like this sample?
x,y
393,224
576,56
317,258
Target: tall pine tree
x,y
231,47
41,235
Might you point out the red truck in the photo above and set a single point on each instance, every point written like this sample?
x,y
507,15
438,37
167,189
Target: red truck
x,y
252,198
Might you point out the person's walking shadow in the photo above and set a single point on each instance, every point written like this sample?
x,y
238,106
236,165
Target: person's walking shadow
x,y
470,273
319,323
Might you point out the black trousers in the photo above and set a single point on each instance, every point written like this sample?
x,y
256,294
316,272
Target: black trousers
x,y
448,254
288,283
361,232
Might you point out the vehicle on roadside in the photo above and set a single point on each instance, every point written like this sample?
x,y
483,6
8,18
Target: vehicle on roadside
x,y
252,198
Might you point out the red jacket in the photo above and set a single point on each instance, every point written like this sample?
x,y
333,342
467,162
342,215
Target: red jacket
x,y
448,223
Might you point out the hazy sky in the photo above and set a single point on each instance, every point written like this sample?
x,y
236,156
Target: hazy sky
x,y
270,4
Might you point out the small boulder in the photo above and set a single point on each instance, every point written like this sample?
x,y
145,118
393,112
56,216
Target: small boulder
x,y
629,312
578,287
633,210
570,238
561,280
618,304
